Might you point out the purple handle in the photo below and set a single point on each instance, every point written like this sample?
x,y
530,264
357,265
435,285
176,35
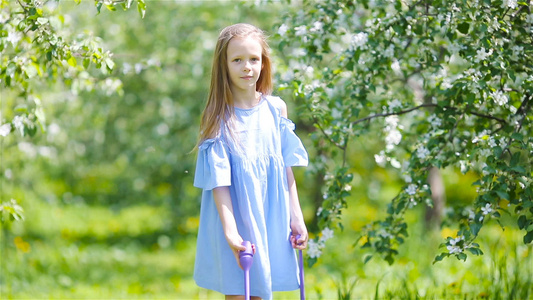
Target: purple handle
x,y
246,259
301,264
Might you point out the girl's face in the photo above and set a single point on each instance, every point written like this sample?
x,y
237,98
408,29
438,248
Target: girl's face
x,y
244,62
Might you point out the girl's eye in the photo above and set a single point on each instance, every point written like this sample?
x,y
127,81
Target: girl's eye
x,y
237,60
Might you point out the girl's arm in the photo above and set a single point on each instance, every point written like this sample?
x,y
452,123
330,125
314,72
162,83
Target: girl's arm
x,y
229,226
297,218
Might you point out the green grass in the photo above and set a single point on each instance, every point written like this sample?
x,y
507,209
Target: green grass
x,y
81,252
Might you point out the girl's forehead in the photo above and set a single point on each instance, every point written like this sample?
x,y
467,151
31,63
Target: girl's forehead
x,y
244,44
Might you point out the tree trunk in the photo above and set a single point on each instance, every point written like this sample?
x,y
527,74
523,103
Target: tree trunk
x,y
434,214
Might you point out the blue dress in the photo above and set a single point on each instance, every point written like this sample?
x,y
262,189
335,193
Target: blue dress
x,y
254,168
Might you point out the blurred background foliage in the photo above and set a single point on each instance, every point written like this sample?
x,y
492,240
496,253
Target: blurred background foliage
x,y
106,187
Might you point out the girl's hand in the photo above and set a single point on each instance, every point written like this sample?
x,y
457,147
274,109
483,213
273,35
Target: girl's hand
x,y
235,243
298,228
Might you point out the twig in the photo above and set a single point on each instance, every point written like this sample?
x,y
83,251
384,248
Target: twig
x,y
24,7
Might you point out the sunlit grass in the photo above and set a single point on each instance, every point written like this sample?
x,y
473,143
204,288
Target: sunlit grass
x,y
83,252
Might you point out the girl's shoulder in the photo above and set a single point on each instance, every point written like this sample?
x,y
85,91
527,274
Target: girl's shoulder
x,y
278,104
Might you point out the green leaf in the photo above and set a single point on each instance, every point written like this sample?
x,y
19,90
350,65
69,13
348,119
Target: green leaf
x,y
503,195
72,61
311,261
522,222
389,259
518,169
141,7
461,256
440,257
474,228
42,21
528,237
463,27
110,64
86,63
367,258
498,151
475,251
111,7
517,136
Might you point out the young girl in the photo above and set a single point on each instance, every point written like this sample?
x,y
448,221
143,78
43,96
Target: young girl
x,y
246,149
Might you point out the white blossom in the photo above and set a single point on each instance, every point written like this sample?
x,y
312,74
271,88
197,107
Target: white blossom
x,y
138,68
446,84
380,159
359,40
482,54
389,52
422,152
529,19
326,234
3,17
464,166
487,209
18,122
395,66
317,27
411,189
5,129
27,148
313,249
394,137
510,4
453,247
299,52
394,104
283,29
392,121
407,178
492,142
287,76
395,163
300,30
435,121
14,37
162,129
499,97
319,211
471,214
495,25
385,234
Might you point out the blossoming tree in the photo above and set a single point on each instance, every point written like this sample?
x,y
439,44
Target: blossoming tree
x,y
450,82
37,50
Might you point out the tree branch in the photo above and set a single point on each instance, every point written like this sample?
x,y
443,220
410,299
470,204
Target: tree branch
x,y
487,116
393,113
424,106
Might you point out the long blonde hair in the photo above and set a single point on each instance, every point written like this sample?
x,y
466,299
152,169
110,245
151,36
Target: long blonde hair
x,y
219,109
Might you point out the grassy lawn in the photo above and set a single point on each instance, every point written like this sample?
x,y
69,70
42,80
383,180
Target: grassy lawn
x,y
80,252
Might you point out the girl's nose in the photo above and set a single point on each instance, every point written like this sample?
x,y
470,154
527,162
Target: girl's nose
x,y
247,66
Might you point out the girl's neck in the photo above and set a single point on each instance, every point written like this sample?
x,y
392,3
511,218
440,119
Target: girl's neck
x,y
246,99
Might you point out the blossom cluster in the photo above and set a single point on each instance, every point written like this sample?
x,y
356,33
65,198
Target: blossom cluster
x,y
315,246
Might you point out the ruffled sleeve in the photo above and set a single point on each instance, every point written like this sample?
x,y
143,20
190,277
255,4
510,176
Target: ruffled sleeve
x,y
293,151
213,167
